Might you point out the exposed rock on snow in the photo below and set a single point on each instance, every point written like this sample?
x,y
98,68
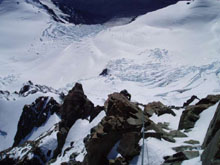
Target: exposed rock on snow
x,y
211,144
179,157
38,151
30,88
188,102
191,114
157,108
123,123
114,140
76,106
105,72
33,116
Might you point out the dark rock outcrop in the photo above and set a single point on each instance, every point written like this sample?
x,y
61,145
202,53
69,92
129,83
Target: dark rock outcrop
x,y
76,105
30,88
186,148
211,144
123,123
157,108
34,115
128,146
188,102
32,152
180,156
105,72
191,114
49,145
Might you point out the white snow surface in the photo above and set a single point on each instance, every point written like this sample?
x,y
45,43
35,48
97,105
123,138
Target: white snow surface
x,y
167,55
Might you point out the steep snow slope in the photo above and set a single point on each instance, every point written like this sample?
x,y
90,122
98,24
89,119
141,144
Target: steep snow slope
x,y
31,40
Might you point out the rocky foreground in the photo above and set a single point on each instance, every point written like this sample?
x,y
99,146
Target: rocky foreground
x,y
119,129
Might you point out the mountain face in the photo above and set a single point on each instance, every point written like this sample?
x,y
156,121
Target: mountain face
x,y
101,11
107,82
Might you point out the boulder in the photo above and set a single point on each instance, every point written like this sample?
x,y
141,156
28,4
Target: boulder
x,y
186,148
160,133
177,133
34,115
157,108
123,123
191,142
211,144
188,102
105,72
128,146
180,156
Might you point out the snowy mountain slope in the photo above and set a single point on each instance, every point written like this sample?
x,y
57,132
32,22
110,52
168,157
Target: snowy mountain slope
x,y
167,55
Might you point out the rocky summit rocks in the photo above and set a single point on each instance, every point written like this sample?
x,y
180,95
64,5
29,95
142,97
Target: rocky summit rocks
x,y
191,114
211,144
157,108
122,124
31,88
76,105
34,115
115,139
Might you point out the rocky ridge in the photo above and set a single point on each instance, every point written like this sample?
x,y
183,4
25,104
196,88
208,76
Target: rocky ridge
x,y
120,129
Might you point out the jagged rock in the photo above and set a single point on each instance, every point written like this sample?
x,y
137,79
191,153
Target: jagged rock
x,y
126,94
211,144
210,99
38,151
76,105
192,142
105,72
180,156
154,135
177,133
34,115
164,125
128,146
123,120
188,102
160,132
185,148
157,108
30,88
191,114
